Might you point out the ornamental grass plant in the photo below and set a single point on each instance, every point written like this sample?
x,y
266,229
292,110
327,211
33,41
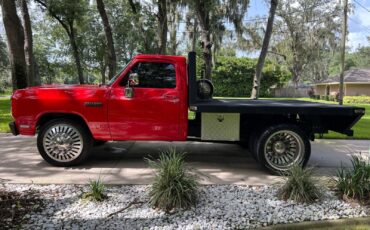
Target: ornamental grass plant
x,y
354,182
300,186
96,191
174,187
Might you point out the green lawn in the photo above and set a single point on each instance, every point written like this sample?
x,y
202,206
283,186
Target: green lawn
x,y
340,224
5,116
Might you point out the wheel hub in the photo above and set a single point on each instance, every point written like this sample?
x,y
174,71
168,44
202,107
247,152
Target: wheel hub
x,y
283,148
279,147
63,142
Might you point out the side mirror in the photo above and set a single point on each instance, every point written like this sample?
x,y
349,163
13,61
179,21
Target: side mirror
x,y
129,92
133,79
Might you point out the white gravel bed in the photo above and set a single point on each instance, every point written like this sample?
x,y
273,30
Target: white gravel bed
x,y
219,207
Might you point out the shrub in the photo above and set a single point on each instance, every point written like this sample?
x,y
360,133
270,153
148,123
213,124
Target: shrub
x,y
332,98
96,191
233,77
356,99
354,182
300,186
311,93
174,186
324,97
316,97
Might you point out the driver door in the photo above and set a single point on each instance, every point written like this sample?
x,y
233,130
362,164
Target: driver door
x,y
152,112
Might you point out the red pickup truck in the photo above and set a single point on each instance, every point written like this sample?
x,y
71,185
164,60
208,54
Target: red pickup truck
x,y
150,100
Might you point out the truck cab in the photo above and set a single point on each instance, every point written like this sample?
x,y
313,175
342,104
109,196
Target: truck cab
x,y
149,100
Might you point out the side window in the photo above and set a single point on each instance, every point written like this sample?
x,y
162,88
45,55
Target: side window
x,y
153,75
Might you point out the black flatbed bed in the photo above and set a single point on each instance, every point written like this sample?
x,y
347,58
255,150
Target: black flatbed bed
x,y
316,117
323,117
274,107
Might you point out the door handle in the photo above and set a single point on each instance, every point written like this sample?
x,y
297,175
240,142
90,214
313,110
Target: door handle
x,y
169,96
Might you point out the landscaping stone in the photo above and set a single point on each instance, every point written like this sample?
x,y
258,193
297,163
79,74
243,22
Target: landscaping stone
x,y
218,207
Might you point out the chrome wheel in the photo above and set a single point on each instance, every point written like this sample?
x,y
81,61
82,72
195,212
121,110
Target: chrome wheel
x,y
283,149
63,142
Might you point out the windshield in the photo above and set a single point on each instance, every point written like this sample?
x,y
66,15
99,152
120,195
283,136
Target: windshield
x,y
119,74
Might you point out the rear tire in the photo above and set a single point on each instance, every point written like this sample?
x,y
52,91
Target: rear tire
x,y
279,147
252,143
63,143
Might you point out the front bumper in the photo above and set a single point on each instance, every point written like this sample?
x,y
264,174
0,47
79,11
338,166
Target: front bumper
x,y
13,128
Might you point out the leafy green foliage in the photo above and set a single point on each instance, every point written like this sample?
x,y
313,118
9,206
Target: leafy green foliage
x,y
174,187
300,186
232,77
355,182
96,193
5,80
133,33
5,116
335,65
358,59
306,34
68,10
356,99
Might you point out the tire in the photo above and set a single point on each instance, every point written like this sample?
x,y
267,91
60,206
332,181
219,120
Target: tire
x,y
252,143
64,143
280,147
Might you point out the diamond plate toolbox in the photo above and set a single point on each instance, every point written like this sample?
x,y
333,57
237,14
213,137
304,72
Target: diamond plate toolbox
x,y
220,126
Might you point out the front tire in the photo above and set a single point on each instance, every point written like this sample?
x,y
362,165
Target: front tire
x,y
280,147
64,143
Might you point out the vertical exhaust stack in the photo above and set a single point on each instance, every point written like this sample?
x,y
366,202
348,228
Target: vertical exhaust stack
x,y
192,81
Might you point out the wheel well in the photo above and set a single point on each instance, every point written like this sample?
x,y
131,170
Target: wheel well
x,y
256,123
51,116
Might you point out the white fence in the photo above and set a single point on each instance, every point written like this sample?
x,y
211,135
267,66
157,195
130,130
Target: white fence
x,y
291,92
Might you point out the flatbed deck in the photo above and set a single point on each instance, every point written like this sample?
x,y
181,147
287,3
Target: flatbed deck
x,y
274,107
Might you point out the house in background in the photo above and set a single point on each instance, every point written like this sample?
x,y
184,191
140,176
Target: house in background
x,y
356,83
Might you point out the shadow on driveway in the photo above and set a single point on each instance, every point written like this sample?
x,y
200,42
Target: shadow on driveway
x,y
123,162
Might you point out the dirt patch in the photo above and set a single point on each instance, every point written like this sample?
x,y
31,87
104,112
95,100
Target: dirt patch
x,y
15,207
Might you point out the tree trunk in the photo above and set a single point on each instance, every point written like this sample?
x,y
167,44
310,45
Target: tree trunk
x,y
173,30
343,52
195,35
15,37
49,79
28,46
103,67
110,43
203,17
265,45
215,48
296,77
296,71
162,26
76,54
